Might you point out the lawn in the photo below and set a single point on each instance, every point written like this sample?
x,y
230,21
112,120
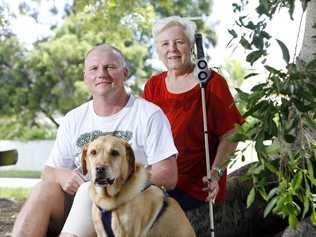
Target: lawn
x,y
20,174
17,194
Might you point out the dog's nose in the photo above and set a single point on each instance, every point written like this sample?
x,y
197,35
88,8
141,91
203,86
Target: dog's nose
x,y
100,170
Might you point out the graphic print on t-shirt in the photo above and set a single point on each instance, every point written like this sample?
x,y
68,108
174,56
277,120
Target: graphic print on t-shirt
x,y
88,137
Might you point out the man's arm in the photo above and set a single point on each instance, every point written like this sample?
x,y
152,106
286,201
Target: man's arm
x,y
69,180
165,173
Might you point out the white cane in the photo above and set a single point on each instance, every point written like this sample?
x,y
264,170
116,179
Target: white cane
x,y
203,75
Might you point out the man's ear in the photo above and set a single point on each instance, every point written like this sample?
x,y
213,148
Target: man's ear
x,y
84,160
125,73
131,158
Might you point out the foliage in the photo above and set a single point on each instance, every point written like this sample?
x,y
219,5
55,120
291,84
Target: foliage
x,y
281,119
128,27
12,128
47,79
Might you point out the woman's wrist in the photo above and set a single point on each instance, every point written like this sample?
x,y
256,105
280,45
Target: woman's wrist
x,y
217,173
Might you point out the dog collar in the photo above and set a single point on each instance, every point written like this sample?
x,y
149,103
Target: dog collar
x,y
106,216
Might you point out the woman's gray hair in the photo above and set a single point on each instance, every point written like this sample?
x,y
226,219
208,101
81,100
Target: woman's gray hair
x,y
189,27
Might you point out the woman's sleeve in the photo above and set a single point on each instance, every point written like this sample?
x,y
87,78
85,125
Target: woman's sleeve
x,y
147,95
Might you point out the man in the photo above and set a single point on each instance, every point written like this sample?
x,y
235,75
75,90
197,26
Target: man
x,y
113,111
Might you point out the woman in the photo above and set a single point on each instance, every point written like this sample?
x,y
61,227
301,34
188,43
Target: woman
x,y
177,92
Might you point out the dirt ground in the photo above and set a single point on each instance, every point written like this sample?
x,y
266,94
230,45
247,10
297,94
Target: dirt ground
x,y
8,212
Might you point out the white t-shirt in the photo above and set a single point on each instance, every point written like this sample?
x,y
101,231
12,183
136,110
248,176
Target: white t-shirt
x,y
140,122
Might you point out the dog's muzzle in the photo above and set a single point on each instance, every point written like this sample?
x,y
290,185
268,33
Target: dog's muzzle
x,y
102,177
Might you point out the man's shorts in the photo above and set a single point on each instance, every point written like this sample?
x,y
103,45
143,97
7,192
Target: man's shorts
x,y
69,199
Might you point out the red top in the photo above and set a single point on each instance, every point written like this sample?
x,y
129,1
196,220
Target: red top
x,y
184,111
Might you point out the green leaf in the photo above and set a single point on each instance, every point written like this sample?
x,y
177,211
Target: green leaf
x,y
256,168
293,221
273,149
301,106
272,70
260,87
285,51
251,197
245,43
265,34
258,42
251,75
273,192
233,33
313,218
270,167
237,137
306,205
297,181
263,194
310,168
311,65
250,25
270,206
242,95
254,56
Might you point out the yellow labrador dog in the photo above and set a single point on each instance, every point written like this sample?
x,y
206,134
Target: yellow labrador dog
x,y
123,203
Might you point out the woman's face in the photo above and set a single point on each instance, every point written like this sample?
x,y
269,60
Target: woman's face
x,y
174,48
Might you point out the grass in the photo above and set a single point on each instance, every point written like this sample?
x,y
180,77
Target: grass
x,y
18,194
20,174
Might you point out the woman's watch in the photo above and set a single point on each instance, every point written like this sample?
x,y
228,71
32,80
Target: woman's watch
x,y
219,171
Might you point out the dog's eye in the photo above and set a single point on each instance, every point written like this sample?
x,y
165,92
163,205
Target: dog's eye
x,y
114,153
93,152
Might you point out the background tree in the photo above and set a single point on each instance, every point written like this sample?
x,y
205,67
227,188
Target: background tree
x,y
47,81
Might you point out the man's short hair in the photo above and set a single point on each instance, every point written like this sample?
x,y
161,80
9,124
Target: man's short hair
x,y
107,46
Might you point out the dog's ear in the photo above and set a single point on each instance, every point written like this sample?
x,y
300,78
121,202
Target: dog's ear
x,y
83,159
131,158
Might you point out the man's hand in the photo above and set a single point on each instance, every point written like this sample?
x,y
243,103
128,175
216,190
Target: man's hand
x,y
69,180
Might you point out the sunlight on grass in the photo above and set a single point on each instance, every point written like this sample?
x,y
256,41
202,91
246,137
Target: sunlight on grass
x,y
18,194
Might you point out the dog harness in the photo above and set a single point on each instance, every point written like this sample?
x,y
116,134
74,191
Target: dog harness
x,y
106,216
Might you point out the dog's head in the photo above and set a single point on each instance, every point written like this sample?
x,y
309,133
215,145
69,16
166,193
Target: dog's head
x,y
110,161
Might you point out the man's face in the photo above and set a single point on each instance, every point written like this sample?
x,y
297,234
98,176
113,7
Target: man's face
x,y
104,71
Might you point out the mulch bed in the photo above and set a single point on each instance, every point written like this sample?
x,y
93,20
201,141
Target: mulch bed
x,y
8,212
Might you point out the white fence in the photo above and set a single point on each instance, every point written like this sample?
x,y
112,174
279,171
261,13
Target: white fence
x,y
32,155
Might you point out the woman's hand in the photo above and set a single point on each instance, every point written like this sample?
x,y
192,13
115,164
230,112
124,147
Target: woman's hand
x,y
212,187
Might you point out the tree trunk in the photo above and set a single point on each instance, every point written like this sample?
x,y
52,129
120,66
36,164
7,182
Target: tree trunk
x,y
306,55
308,50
